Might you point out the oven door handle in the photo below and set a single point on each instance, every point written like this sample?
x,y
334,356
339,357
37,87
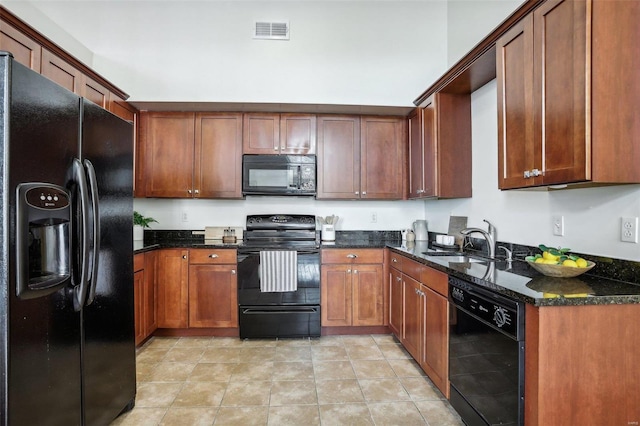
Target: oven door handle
x,y
258,311
250,252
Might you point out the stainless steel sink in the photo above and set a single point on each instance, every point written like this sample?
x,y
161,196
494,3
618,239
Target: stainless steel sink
x,y
458,258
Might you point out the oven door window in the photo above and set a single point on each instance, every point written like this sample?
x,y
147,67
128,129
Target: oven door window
x,y
272,178
484,368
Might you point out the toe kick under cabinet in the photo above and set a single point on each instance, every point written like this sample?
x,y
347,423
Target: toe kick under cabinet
x,y
419,315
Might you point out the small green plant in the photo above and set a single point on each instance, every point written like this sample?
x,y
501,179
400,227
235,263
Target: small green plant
x,y
138,219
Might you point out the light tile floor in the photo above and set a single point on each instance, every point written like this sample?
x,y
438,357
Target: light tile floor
x,y
332,380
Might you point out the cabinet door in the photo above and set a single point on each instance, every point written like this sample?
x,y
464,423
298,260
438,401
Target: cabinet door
x,y
261,133
368,295
435,351
139,306
416,154
213,296
172,286
24,49
395,302
412,318
338,157
218,155
57,69
94,91
150,293
430,150
336,295
167,149
560,42
382,157
517,150
297,134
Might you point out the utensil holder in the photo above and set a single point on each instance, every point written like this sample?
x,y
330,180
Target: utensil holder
x,y
328,232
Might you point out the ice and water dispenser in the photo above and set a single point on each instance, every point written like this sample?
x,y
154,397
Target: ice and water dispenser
x,y
43,236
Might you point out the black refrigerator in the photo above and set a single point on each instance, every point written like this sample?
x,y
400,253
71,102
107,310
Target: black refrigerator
x,y
67,352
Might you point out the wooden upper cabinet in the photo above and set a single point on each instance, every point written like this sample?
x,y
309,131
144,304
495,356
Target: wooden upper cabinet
x,y
566,95
382,157
279,134
57,69
338,157
167,150
189,155
94,91
440,147
25,50
218,155
361,157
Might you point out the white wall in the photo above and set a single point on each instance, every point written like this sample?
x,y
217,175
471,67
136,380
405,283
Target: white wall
x,y
340,52
469,21
592,215
356,215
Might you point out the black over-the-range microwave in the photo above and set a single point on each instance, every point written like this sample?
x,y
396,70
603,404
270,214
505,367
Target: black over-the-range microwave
x,y
279,175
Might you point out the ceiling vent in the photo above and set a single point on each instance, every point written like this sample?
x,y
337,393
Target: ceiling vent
x,y
271,30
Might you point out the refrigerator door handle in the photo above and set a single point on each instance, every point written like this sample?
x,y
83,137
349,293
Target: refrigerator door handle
x,y
93,272
80,291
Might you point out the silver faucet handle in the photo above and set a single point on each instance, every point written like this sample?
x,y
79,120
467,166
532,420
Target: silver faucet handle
x,y
491,228
507,252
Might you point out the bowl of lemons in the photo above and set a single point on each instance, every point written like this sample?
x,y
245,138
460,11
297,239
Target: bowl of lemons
x,y
558,262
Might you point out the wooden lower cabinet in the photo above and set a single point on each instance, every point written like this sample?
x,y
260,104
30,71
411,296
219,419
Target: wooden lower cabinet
x,y
419,316
197,288
213,295
144,296
173,288
395,302
352,294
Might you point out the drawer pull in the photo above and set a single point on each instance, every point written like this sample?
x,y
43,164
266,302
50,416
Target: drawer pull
x,y
398,279
352,256
355,271
394,260
213,256
233,272
184,256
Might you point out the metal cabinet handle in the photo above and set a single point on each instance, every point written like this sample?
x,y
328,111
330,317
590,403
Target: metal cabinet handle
x,y
184,256
275,148
364,192
394,260
233,272
527,174
213,256
535,172
357,192
398,279
420,191
352,256
197,191
348,271
189,191
355,271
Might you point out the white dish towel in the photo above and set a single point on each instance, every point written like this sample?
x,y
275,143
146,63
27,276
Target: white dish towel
x,y
278,270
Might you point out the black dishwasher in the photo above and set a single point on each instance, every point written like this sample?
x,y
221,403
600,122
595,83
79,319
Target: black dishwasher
x,y
486,355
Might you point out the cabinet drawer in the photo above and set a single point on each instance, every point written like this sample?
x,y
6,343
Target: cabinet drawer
x,y
212,256
395,261
138,262
435,280
347,256
412,268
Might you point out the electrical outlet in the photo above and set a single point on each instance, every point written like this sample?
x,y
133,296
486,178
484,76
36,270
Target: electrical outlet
x,y
185,216
629,229
558,225
374,217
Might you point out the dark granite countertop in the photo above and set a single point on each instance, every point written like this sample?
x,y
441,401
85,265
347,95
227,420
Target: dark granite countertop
x,y
520,282
516,280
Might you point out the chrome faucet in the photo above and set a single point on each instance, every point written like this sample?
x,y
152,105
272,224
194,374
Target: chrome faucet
x,y
489,236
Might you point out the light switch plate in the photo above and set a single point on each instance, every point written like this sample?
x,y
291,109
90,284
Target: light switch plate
x,y
557,222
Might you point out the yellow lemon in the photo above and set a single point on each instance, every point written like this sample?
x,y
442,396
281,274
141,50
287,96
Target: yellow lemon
x,y
570,263
548,256
551,261
581,263
539,260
